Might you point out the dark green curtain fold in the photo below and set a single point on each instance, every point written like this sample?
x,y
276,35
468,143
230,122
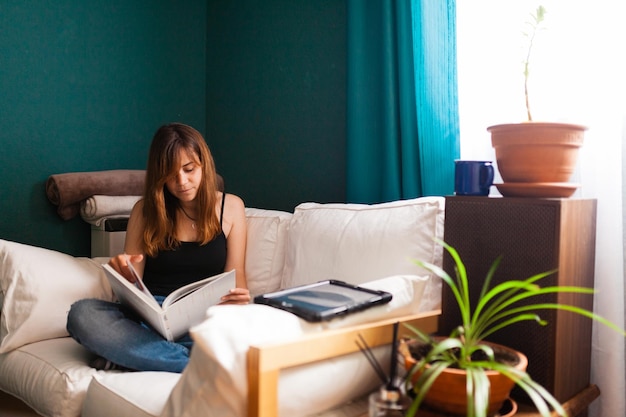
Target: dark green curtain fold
x,y
402,115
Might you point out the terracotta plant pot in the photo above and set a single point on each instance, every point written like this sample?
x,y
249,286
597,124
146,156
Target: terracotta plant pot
x,y
536,152
447,394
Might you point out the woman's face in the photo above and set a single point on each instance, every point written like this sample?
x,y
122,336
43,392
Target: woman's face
x,y
184,185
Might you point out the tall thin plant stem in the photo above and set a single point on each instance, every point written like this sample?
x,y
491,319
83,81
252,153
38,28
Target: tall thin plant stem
x,y
535,24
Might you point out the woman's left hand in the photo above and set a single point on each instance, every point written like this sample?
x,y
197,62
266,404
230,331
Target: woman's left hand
x,y
236,296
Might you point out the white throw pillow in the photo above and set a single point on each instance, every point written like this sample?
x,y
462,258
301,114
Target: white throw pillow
x,y
38,286
357,243
265,249
215,381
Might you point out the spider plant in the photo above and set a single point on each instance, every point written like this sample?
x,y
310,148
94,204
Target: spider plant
x,y
498,307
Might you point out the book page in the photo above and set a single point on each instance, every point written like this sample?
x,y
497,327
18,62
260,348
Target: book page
x,y
190,308
138,281
121,285
140,301
189,288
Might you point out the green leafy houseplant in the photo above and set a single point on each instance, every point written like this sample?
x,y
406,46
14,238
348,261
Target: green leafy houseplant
x,y
498,307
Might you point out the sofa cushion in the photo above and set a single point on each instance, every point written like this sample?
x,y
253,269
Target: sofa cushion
x,y
357,243
38,286
265,249
129,394
214,382
50,376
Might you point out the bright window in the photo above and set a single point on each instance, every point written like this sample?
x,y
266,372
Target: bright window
x,y
578,75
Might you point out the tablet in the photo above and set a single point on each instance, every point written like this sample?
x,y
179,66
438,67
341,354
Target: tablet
x,y
324,300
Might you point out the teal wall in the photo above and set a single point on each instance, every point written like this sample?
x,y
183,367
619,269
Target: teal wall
x,y
276,99
85,83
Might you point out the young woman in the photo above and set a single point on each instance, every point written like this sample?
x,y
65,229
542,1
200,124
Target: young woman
x,y
183,230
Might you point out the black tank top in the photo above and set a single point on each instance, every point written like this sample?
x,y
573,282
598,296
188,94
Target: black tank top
x,y
189,262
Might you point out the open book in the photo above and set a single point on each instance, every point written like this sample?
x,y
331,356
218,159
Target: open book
x,y
182,309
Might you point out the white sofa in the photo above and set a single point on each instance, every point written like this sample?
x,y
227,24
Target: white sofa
x,y
370,245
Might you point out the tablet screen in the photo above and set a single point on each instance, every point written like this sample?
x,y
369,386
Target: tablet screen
x,y
324,300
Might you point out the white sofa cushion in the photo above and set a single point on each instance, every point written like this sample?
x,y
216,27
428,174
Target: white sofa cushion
x,y
50,376
38,286
265,249
131,394
357,243
214,382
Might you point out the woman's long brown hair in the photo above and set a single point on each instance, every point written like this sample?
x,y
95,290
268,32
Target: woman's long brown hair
x,y
160,206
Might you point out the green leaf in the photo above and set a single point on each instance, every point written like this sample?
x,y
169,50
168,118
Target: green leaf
x,y
425,381
500,306
478,398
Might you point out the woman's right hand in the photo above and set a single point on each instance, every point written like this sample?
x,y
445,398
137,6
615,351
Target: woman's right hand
x,y
120,264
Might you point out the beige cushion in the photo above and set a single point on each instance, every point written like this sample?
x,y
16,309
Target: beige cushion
x,y
51,376
357,243
265,250
38,286
129,394
214,382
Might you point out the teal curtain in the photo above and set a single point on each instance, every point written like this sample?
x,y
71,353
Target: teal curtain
x,y
402,111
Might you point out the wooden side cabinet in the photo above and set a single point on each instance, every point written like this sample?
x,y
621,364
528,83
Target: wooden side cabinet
x,y
533,236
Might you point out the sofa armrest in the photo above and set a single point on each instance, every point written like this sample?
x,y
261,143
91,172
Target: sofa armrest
x,y
265,362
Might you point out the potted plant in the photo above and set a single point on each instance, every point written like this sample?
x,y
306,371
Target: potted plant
x,y
536,159
465,360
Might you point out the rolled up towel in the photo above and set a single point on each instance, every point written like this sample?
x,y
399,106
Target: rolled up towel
x,y
99,207
68,190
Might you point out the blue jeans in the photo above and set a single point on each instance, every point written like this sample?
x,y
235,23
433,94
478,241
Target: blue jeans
x,y
117,333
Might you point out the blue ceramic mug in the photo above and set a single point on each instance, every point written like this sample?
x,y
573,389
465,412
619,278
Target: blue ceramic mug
x,y
472,177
